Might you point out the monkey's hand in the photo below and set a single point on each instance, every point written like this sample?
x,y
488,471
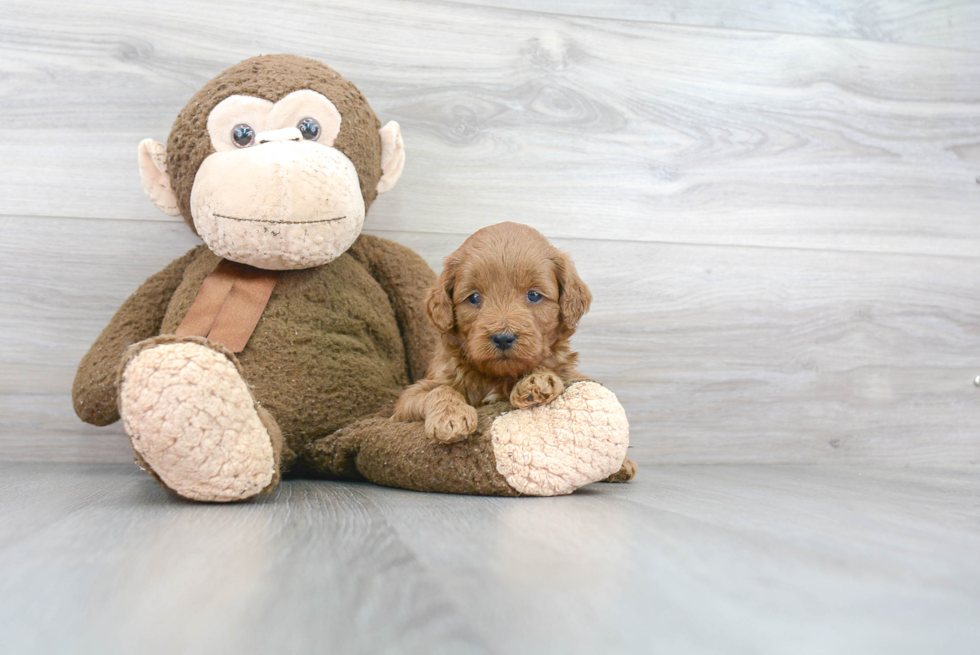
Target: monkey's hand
x,y
448,417
538,387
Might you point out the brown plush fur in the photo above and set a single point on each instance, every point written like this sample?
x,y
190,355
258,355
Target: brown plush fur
x,y
501,265
400,455
330,347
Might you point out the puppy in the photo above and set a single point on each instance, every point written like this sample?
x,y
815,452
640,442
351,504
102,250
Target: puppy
x,y
505,305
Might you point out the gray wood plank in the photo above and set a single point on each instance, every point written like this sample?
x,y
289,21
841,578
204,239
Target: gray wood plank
x,y
51,494
685,559
941,23
312,569
584,127
750,559
719,354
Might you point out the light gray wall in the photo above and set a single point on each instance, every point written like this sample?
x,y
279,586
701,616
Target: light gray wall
x,y
776,208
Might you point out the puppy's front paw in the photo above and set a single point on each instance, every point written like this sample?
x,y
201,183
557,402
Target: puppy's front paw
x,y
450,422
538,388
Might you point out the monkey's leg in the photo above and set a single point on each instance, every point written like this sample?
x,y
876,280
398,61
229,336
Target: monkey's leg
x,y
579,438
193,422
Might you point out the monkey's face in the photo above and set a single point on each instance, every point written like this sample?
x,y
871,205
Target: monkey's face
x,y
277,182
275,193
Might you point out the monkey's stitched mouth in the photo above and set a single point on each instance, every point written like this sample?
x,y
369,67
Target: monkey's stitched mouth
x,y
275,222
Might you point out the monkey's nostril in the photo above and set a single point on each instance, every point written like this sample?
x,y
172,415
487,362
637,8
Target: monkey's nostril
x,y
504,340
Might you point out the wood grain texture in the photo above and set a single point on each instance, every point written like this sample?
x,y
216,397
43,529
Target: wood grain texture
x,y
582,127
719,354
118,566
781,230
735,559
940,23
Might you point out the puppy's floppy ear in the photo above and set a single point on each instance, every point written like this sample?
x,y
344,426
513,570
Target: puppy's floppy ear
x,y
439,302
574,297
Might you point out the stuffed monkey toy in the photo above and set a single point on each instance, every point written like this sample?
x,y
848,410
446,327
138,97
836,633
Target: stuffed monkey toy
x,y
280,344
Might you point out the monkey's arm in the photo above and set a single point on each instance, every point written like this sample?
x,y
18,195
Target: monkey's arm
x,y
406,278
94,390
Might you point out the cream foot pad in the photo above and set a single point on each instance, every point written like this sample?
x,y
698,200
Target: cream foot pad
x,y
579,438
191,416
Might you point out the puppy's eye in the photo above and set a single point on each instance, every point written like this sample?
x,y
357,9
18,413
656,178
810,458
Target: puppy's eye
x,y
534,297
474,299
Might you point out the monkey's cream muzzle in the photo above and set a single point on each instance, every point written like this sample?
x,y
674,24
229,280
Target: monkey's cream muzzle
x,y
281,204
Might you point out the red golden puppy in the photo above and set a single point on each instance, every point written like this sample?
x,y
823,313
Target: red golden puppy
x,y
505,304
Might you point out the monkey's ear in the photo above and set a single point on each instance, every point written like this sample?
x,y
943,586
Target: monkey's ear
x,y
574,297
392,156
156,180
439,302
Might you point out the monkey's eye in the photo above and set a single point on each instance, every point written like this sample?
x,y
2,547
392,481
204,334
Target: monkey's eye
x,y
243,135
309,128
534,297
474,299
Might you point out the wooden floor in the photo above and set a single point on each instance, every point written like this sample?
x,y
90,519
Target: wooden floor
x,y
687,559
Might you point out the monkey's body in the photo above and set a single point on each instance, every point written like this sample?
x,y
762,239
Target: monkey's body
x,y
334,319
274,163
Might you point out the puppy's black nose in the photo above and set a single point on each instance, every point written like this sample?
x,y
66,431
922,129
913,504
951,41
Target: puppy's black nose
x,y
504,341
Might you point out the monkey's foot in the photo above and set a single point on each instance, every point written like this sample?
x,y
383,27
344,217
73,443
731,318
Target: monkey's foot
x,y
579,438
193,422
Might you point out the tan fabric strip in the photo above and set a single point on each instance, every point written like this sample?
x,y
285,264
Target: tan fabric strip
x,y
211,296
243,308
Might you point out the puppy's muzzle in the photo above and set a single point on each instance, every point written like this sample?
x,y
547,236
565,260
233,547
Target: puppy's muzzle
x,y
504,340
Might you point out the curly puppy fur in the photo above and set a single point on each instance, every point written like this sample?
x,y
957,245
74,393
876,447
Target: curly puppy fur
x,y
505,306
